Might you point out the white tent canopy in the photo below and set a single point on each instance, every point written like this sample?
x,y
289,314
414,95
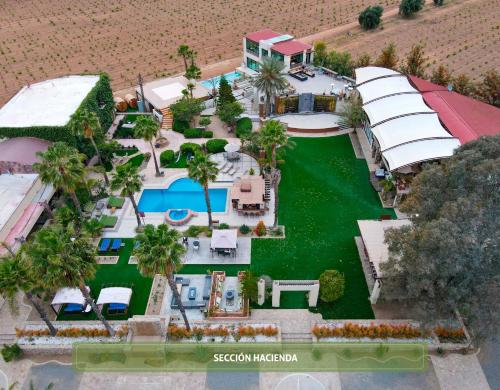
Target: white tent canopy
x,y
408,129
385,86
419,151
67,296
372,72
232,147
114,295
394,106
224,239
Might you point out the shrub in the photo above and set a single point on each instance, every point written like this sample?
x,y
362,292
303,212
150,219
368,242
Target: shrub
x,y
216,145
438,3
223,226
205,121
370,17
331,285
244,229
190,147
207,134
180,125
192,133
260,230
372,331
194,231
11,352
408,8
243,127
450,334
166,157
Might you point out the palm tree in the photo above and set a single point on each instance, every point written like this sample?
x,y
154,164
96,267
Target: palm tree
x,y
353,114
62,257
86,123
160,252
273,135
203,170
185,52
270,80
62,166
14,277
190,86
147,128
127,181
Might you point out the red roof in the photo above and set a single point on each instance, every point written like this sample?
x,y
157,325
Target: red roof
x,y
262,35
289,48
464,117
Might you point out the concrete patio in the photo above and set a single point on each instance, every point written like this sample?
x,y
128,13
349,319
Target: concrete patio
x,y
204,255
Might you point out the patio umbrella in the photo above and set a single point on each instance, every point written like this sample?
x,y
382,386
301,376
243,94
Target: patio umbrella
x,y
232,148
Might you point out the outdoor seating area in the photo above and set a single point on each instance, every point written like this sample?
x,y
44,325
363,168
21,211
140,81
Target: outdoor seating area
x,y
108,244
249,195
233,165
194,291
70,301
115,300
224,242
226,299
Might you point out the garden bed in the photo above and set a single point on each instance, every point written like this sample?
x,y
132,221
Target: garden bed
x,y
214,333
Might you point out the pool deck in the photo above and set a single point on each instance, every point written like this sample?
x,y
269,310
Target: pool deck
x,y
204,256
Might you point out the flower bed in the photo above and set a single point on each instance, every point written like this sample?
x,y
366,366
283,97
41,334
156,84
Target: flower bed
x,y
221,333
450,335
372,331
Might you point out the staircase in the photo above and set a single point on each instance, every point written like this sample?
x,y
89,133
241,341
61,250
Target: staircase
x,y
168,118
296,337
267,194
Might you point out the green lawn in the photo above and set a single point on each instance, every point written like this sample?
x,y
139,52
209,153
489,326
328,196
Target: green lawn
x,y
119,275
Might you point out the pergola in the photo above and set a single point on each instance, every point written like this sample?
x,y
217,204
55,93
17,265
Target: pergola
x,y
224,241
117,299
72,298
247,195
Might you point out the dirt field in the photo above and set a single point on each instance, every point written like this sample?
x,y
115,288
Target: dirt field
x,y
47,38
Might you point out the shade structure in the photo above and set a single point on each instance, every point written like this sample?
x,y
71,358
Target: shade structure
x,y
110,295
232,148
419,151
68,296
224,239
395,106
368,73
386,86
406,129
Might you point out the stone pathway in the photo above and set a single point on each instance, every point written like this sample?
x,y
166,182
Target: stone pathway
x,y
456,372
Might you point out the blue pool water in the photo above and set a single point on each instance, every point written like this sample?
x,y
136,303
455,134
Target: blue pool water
x,y
230,77
182,194
178,214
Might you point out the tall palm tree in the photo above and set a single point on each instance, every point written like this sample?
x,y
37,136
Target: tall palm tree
x,y
147,128
270,80
160,252
86,123
14,277
190,86
185,52
62,257
273,135
353,114
62,166
127,181
203,170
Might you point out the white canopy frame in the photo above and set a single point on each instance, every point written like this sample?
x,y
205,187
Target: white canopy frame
x,y
224,239
369,73
388,86
67,296
109,295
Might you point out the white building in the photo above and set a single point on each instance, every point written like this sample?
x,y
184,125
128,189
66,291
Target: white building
x,y
267,43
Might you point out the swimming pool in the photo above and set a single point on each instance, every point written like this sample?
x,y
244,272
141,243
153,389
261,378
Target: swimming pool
x,y
182,194
230,77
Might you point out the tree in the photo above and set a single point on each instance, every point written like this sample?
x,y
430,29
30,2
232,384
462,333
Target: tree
x,y
205,121
190,87
186,109
331,285
388,57
60,256
225,93
127,181
86,123
462,85
273,135
353,114
249,286
193,73
160,252
408,8
489,89
320,53
415,62
15,277
185,52
438,3
441,75
62,166
363,60
203,170
340,62
370,17
270,80
449,257
230,112
146,128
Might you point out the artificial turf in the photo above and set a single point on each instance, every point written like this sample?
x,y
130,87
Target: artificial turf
x,y
118,275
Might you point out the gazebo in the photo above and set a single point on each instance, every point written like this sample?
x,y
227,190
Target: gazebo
x,y
71,299
224,242
117,299
247,195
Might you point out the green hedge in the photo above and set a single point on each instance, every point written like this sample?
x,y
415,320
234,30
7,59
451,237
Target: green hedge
x,y
180,126
243,127
216,145
207,134
190,147
166,157
192,133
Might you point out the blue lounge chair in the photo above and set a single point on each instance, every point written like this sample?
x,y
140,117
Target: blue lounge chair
x,y
116,244
117,308
73,308
104,245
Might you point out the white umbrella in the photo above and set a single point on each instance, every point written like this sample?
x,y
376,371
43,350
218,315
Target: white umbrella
x,y
231,148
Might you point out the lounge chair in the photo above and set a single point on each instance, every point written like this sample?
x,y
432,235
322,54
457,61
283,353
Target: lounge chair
x,y
228,168
233,171
117,308
116,244
73,308
115,202
104,246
